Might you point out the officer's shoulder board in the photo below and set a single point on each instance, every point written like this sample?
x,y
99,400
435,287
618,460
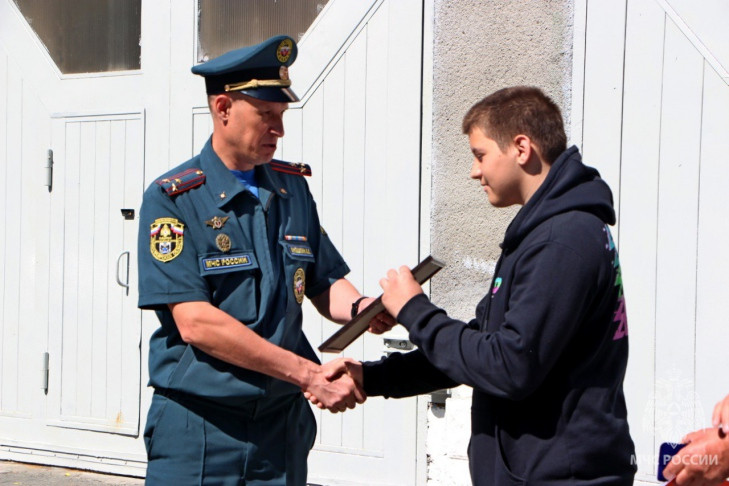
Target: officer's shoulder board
x,y
184,181
290,167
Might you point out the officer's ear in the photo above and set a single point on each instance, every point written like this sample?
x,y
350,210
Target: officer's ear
x,y
220,106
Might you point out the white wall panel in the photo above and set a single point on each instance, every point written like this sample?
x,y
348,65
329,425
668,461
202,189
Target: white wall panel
x,y
313,140
602,112
33,285
332,430
712,267
638,223
320,45
678,181
353,205
69,256
21,132
332,176
310,152
113,298
360,133
671,138
376,258
403,107
707,20
202,127
290,146
126,393
5,362
12,180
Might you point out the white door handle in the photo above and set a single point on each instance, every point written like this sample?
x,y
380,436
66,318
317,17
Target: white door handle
x,y
118,280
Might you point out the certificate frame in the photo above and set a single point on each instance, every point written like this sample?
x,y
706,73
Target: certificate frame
x,y
345,335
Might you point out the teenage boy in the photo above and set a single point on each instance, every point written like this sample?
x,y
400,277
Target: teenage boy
x,y
547,350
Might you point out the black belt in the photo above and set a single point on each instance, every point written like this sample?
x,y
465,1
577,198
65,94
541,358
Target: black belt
x,y
251,409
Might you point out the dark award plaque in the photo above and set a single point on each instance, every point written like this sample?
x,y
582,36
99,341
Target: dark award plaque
x,y
357,326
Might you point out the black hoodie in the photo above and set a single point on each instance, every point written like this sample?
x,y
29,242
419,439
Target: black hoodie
x,y
547,351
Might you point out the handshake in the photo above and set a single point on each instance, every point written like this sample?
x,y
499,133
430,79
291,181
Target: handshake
x,y
338,385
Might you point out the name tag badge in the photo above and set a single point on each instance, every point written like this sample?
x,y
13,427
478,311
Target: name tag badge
x,y
299,250
228,262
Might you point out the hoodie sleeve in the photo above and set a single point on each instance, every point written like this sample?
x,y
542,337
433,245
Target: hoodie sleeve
x,y
403,375
551,289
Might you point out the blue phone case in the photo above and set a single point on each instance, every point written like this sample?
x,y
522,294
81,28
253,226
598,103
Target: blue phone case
x,y
665,453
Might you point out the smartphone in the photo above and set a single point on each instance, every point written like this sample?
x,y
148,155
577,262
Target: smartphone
x,y
665,453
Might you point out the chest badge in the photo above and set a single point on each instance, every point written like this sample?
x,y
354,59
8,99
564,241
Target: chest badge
x,y
299,284
217,222
166,236
223,242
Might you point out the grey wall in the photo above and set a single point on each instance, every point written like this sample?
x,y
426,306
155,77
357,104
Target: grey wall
x,y
479,47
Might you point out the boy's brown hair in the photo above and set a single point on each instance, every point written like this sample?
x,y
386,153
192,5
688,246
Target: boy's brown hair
x,y
525,110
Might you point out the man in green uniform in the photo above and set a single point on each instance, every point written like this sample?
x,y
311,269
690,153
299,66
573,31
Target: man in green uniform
x,y
229,245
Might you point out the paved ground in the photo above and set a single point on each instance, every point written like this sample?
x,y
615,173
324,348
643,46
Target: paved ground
x,y
19,474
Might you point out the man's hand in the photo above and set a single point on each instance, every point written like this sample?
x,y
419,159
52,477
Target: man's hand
x,y
334,372
399,287
337,367
382,322
704,460
336,394
720,417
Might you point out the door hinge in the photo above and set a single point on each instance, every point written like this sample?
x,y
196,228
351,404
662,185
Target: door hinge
x,y
48,169
44,376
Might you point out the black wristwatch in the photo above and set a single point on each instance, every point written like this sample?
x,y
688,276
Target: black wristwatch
x,y
355,306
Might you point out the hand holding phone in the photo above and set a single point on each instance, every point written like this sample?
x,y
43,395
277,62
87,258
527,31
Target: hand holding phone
x,y
665,454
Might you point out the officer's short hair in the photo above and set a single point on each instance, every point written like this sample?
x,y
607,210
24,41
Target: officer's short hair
x,y
517,110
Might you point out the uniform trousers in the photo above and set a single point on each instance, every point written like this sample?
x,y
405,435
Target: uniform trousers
x,y
191,441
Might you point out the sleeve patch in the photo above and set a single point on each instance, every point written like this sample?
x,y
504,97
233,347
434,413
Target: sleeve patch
x,y
166,236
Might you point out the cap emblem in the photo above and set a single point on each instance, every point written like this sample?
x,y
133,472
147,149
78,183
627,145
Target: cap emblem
x,y
283,52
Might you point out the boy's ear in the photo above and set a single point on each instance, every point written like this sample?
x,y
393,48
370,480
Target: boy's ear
x,y
523,146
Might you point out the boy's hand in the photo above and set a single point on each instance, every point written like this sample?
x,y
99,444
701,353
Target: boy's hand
x,y
399,287
336,391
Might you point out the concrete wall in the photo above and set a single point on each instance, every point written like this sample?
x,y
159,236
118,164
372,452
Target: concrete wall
x,y
479,47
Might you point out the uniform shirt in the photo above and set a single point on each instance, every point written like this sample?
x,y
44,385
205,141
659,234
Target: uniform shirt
x,y
254,258
248,179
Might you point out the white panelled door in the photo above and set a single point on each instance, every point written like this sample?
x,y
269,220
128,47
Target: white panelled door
x,y
94,321
358,126
358,75
654,119
78,286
